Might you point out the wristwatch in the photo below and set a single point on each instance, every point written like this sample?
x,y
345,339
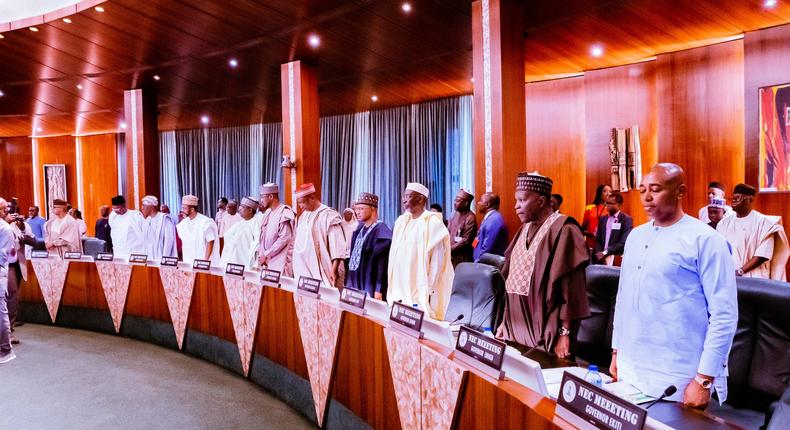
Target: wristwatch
x,y
739,272
564,331
704,383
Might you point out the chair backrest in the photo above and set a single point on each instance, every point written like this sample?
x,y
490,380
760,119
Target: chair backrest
x,y
92,246
478,294
492,260
594,339
759,363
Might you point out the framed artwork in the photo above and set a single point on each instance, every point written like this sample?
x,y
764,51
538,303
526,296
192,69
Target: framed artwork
x,y
774,144
54,185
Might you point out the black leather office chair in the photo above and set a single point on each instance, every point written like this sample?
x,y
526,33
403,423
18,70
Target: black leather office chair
x,y
92,246
492,260
594,339
478,294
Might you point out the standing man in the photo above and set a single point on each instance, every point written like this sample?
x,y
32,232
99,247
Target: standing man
x,y
126,229
229,218
102,227
370,249
463,228
320,245
677,308
276,231
17,264
420,269
198,233
36,222
716,208
492,236
242,237
715,189
613,230
222,205
62,232
555,202
6,248
759,243
544,272
159,231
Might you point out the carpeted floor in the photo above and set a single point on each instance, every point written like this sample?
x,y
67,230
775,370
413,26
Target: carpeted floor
x,y
73,379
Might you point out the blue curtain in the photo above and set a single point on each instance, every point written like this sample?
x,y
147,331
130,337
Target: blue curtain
x,y
381,151
222,162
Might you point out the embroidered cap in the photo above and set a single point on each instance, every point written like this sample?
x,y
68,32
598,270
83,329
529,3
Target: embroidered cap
x,y
534,182
249,202
150,201
189,200
369,199
717,202
305,190
418,187
270,188
746,190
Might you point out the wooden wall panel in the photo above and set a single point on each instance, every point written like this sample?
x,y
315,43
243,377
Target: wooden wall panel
x,y
58,150
619,97
210,312
16,171
701,127
555,139
99,175
766,62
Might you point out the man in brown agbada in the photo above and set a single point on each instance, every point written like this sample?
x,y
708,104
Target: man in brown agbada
x,y
544,272
463,229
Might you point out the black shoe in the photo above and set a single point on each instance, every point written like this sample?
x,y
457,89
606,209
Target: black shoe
x,y
14,340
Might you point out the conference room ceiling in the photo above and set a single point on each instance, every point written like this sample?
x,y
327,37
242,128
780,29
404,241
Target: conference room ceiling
x,y
69,77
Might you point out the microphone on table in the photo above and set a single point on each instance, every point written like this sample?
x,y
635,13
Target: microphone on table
x,y
667,392
540,343
455,321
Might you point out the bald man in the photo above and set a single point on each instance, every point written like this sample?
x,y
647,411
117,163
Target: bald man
x,y
677,308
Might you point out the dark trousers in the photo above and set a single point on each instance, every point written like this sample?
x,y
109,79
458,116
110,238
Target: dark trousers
x,y
14,284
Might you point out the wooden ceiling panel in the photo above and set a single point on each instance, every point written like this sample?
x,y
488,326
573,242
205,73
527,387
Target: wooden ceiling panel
x,y
367,47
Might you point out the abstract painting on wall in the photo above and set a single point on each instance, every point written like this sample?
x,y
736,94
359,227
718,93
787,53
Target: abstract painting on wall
x,y
774,145
54,185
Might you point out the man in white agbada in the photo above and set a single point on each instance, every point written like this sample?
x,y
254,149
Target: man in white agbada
x,y
759,244
715,191
241,240
319,246
276,228
198,233
420,270
230,218
159,231
126,229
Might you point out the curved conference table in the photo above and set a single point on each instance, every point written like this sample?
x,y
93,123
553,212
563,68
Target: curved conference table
x,y
337,367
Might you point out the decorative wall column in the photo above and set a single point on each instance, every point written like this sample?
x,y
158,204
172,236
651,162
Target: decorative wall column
x,y
499,108
142,145
301,133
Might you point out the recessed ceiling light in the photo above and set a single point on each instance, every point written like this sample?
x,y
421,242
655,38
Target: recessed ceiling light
x,y
233,63
314,40
204,119
33,29
99,9
156,77
770,4
472,80
39,129
406,7
374,98
596,51
123,125
2,94
67,20
79,86
2,37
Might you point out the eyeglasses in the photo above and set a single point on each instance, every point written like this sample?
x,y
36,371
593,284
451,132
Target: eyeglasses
x,y
737,199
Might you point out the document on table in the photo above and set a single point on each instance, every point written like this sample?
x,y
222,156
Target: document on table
x,y
627,392
553,378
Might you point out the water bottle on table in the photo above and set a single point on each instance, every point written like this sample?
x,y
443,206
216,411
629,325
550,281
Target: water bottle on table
x,y
593,376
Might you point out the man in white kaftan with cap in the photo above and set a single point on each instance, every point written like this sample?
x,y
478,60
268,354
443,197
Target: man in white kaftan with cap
x,y
198,233
319,246
126,229
759,244
276,229
420,270
241,240
159,231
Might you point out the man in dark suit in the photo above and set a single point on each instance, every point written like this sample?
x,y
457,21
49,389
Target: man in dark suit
x,y
492,235
613,230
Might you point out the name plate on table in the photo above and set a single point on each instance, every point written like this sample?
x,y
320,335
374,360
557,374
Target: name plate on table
x,y
407,318
169,262
204,265
104,256
40,254
310,286
138,258
72,255
268,275
354,298
486,353
234,269
584,405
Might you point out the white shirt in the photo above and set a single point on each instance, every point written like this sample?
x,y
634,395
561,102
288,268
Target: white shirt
x,y
703,213
227,221
195,235
677,307
127,233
